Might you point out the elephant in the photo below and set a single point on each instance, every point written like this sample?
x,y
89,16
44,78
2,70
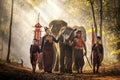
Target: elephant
x,y
60,29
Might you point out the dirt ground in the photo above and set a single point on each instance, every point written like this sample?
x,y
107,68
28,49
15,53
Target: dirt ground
x,y
15,71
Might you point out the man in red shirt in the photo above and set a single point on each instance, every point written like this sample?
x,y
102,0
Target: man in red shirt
x,y
79,45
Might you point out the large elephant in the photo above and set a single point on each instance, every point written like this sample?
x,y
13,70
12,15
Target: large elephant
x,y
60,29
57,27
66,35
67,50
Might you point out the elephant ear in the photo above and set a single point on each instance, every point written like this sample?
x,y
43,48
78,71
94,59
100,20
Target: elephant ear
x,y
56,26
81,28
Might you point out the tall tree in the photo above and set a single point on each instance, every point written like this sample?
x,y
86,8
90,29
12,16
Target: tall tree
x,y
10,31
101,18
1,33
118,26
93,14
118,12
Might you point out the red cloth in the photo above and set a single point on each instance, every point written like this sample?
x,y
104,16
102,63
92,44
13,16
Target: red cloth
x,y
80,42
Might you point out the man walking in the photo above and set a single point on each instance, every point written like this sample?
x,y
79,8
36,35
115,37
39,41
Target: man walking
x,y
79,45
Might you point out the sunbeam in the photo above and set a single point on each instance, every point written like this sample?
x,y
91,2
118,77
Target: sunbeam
x,y
25,15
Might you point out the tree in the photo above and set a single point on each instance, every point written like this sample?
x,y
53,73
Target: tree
x,y
93,14
1,31
118,12
101,19
94,19
10,31
118,26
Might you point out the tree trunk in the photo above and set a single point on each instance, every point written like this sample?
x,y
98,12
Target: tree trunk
x,y
10,30
101,19
94,19
1,33
118,12
118,25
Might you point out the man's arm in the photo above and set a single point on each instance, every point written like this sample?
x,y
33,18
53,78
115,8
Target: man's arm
x,y
31,49
42,44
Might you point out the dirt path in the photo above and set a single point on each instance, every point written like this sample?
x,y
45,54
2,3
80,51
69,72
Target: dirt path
x,y
16,72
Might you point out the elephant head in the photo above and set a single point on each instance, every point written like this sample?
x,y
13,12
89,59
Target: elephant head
x,y
56,26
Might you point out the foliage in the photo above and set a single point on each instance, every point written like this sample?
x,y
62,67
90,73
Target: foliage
x,y
110,25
